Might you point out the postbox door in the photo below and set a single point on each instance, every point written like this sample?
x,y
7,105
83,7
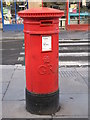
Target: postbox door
x,y
41,61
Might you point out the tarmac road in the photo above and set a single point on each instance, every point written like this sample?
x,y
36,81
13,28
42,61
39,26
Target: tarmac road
x,y
73,47
10,51
13,52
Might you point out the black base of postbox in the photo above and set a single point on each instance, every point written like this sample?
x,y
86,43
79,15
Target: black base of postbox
x,y
42,104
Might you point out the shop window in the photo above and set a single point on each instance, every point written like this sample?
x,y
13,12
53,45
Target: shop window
x,y
78,12
20,6
10,10
84,11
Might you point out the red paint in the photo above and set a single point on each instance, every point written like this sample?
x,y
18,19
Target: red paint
x,y
42,3
41,67
67,12
83,27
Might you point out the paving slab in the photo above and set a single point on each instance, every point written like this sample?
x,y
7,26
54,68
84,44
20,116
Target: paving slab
x,y
7,73
1,97
0,109
68,117
0,75
71,82
73,95
0,88
16,109
16,89
84,72
73,105
73,85
4,87
89,102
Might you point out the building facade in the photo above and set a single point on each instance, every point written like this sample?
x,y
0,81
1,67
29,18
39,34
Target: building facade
x,y
10,8
10,18
75,18
77,13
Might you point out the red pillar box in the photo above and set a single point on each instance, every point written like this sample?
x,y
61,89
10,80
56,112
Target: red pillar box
x,y
41,30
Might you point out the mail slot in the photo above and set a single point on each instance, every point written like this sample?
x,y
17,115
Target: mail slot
x,y
41,31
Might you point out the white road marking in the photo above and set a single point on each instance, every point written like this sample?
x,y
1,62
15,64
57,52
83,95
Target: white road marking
x,y
22,53
20,58
74,44
74,54
23,47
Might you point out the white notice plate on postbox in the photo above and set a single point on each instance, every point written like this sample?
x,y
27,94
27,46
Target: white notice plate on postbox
x,y
46,43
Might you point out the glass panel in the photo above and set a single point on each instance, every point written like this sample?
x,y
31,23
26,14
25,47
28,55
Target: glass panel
x,y
79,18
74,12
74,20
20,5
84,12
9,12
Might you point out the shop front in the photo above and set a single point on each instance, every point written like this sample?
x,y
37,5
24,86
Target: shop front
x,y
10,19
77,15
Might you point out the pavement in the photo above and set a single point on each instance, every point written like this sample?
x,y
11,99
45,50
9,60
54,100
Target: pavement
x,y
73,84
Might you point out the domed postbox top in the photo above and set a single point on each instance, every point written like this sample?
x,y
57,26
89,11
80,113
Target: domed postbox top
x,y
41,12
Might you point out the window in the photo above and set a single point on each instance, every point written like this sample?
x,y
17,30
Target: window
x,y
20,6
10,10
78,12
